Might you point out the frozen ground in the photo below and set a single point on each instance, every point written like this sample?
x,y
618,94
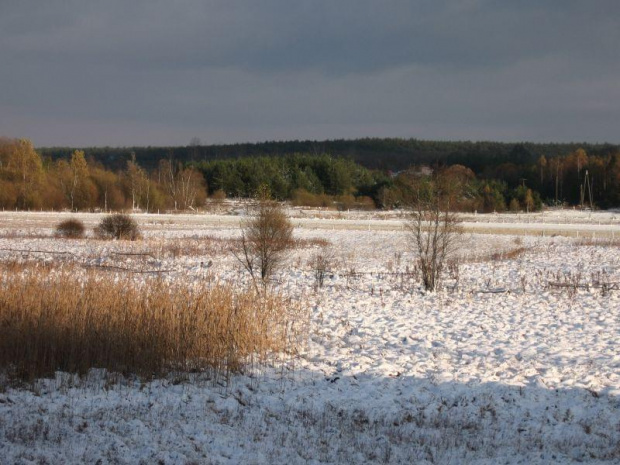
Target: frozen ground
x,y
496,368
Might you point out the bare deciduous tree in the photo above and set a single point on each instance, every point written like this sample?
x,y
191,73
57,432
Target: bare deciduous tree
x,y
185,186
266,237
433,228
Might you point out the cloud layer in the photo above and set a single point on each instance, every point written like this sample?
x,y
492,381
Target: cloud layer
x,y
152,72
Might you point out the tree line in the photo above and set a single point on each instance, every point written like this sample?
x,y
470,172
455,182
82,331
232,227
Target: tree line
x,y
83,180
374,153
80,182
322,180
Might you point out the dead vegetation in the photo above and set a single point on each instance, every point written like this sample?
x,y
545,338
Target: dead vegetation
x,y
500,255
572,282
22,234
56,319
601,242
322,263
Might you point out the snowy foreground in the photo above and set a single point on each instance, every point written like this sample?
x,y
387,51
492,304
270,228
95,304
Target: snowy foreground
x,y
499,369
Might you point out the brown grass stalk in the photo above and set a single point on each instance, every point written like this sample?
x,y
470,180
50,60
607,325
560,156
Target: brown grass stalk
x,y
51,320
600,242
510,254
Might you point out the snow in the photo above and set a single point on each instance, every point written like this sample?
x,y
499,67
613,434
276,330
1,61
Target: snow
x,y
563,222
500,368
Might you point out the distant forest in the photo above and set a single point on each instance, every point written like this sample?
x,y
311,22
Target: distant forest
x,y
363,173
554,172
372,153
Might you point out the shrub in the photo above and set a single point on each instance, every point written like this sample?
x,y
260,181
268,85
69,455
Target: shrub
x,y
321,263
118,226
365,203
71,229
345,202
266,237
303,198
218,195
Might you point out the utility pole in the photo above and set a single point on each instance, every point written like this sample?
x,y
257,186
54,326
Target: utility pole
x,y
584,188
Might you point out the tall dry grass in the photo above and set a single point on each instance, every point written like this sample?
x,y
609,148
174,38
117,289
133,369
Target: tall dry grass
x,y
56,320
598,242
206,246
510,254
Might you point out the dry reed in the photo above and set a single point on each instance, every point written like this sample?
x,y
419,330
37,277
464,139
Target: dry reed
x,y
510,254
310,243
600,242
56,320
207,246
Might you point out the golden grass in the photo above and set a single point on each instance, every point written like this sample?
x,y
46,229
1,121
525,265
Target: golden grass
x,y
311,242
55,319
207,246
510,254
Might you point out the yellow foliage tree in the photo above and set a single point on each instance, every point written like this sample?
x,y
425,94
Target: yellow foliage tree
x,y
21,166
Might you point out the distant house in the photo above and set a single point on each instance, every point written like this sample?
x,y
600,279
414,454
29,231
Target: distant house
x,y
416,171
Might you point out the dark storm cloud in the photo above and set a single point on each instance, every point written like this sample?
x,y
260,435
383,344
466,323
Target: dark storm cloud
x,y
160,72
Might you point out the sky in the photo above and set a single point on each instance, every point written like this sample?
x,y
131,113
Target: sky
x,y
161,72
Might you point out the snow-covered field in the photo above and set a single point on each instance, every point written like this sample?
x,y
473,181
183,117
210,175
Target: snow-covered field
x,y
497,367
227,216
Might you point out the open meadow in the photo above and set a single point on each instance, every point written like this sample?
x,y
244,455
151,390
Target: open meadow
x,y
515,359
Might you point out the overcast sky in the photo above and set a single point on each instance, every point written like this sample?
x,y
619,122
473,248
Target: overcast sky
x,y
161,72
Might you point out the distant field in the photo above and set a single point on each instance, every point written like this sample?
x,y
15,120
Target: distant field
x,y
564,223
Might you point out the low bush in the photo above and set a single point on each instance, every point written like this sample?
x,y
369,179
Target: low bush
x,y
349,202
118,226
303,198
70,229
218,195
321,263
55,320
